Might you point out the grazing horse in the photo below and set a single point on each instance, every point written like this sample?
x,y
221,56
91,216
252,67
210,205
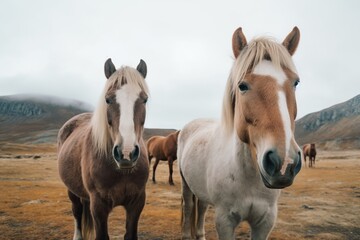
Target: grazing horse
x,y
309,150
163,148
240,163
102,157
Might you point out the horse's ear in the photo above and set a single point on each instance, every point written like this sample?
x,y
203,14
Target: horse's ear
x,y
238,42
291,42
109,68
142,68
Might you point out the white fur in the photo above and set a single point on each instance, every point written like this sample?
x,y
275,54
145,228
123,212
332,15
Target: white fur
x,y
266,67
284,112
220,171
77,232
126,97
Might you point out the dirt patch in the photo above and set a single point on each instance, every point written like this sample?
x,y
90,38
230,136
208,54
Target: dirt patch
x,y
323,203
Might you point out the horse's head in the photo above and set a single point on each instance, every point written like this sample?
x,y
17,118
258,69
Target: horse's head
x,y
312,146
262,86
118,124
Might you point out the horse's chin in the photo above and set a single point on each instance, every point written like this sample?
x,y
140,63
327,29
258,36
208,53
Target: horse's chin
x,y
276,183
126,165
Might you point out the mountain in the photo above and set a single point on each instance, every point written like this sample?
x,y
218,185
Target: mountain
x,y
29,119
149,132
336,127
32,119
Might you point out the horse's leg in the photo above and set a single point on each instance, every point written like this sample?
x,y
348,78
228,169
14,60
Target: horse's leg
x,y
226,223
149,157
170,161
133,211
261,226
154,169
100,211
187,210
77,209
314,161
200,229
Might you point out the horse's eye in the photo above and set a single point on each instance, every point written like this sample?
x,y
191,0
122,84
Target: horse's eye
x,y
243,87
108,100
145,100
296,83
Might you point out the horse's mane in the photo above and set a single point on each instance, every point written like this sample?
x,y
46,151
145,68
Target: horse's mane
x,y
257,50
99,125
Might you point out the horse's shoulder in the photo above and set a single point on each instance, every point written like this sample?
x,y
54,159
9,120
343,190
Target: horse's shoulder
x,y
72,124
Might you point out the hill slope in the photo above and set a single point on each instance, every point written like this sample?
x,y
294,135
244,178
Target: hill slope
x,y
29,119
35,119
334,127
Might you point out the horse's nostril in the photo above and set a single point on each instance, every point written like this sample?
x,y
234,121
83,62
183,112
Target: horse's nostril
x,y
271,162
117,153
135,153
298,163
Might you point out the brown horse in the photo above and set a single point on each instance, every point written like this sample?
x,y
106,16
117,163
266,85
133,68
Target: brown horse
x,y
163,148
310,151
102,156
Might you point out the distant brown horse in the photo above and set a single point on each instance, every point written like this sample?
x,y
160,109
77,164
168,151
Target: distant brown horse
x,y
102,156
310,151
163,148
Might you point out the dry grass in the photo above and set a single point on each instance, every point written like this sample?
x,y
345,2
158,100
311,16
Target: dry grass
x,y
323,203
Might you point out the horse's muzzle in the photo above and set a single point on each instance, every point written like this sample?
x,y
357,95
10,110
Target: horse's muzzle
x,y
125,162
276,177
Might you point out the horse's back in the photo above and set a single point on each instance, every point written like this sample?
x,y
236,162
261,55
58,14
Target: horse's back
x,y
194,129
71,125
71,139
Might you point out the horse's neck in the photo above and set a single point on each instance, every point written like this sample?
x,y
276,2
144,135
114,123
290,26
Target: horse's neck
x,y
241,158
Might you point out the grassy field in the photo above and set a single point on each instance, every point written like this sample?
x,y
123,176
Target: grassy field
x,y
323,203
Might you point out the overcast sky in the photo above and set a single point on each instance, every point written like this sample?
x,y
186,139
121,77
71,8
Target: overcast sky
x,y
59,48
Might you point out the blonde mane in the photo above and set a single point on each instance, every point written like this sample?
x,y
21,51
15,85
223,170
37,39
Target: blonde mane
x,y
99,125
250,56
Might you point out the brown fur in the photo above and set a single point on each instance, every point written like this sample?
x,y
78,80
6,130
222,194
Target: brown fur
x,y
96,184
309,150
164,149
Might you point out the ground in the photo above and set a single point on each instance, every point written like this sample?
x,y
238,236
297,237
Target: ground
x,y
323,203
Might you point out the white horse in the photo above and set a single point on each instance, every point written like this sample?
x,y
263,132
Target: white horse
x,y
239,164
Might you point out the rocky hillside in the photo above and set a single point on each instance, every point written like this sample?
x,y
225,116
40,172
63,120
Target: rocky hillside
x,y
334,127
26,119
35,119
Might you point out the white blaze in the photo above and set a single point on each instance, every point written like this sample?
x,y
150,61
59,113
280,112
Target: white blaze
x,y
126,97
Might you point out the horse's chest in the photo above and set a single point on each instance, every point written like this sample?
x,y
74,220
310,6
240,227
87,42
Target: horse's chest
x,y
121,191
117,187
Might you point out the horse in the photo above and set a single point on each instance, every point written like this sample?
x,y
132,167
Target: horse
x,y
310,151
102,157
240,164
163,148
